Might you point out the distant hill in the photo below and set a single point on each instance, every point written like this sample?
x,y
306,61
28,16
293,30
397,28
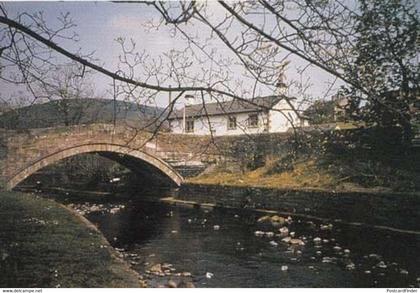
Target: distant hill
x,y
80,111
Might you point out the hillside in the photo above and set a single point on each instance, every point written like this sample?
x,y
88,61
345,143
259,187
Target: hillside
x,y
79,111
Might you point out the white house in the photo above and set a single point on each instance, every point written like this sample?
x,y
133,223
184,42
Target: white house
x,y
260,115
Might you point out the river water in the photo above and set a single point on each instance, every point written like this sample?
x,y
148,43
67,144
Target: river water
x,y
222,248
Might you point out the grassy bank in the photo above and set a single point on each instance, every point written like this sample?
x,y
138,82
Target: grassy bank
x,y
44,244
324,174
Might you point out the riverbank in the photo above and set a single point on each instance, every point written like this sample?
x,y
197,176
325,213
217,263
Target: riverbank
x,y
382,209
45,244
321,174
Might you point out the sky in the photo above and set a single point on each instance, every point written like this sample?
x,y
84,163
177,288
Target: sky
x,y
99,24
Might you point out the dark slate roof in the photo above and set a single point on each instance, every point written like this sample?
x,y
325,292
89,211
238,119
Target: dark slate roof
x,y
229,107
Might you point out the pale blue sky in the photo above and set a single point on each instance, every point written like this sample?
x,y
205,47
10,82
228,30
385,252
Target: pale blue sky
x,y
100,23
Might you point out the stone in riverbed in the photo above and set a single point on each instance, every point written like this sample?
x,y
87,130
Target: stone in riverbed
x,y
277,220
172,284
327,259
284,268
269,234
326,227
274,220
209,275
374,256
4,255
295,241
351,266
259,233
284,231
317,240
273,243
381,265
264,219
216,227
157,268
286,239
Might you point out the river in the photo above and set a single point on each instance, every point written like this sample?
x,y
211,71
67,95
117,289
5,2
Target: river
x,y
230,248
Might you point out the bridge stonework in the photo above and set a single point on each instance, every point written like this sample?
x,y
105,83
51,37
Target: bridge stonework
x,y
23,153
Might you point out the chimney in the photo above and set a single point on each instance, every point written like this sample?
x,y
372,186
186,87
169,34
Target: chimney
x,y
281,85
188,97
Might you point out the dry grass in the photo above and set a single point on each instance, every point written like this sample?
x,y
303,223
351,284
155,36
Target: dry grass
x,y
351,174
304,174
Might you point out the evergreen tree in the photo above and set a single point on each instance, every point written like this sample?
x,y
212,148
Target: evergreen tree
x,y
386,63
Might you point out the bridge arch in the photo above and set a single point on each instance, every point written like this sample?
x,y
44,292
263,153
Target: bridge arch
x,y
32,167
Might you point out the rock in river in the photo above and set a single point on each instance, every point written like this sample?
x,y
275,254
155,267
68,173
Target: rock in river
x,y
269,234
275,220
284,231
259,233
295,241
317,240
374,256
157,268
286,239
326,227
172,284
351,266
264,219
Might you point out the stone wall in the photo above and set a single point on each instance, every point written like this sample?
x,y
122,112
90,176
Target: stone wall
x,y
400,211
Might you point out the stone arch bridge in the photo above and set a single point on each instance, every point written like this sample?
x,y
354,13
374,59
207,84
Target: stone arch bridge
x,y
169,155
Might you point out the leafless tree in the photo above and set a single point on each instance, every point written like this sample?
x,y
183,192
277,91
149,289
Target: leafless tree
x,y
261,36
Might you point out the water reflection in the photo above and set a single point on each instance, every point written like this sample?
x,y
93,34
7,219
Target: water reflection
x,y
185,240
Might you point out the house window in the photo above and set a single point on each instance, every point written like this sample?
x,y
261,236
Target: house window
x,y
231,122
189,126
253,120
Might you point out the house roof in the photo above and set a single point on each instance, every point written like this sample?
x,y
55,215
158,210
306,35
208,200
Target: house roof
x,y
229,107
